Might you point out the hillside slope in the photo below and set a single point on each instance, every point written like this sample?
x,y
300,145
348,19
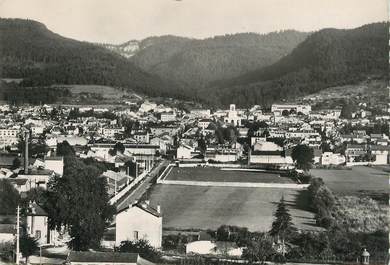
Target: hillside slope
x,y
329,57
30,51
196,62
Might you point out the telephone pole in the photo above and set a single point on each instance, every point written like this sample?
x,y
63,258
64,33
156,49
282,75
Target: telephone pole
x,y
17,235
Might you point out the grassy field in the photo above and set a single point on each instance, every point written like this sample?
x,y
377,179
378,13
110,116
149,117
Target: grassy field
x,y
218,175
194,207
359,180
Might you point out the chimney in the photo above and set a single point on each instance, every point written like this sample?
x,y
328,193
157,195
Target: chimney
x,y
158,208
26,139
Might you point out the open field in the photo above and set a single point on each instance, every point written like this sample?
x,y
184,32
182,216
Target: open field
x,y
218,175
195,207
359,180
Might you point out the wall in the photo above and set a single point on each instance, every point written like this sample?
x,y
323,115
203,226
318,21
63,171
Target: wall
x,y
149,227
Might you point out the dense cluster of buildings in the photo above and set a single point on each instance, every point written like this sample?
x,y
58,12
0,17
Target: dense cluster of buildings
x,y
133,141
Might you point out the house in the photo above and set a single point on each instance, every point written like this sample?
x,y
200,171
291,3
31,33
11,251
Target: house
x,y
269,153
167,116
9,136
380,153
112,131
142,137
115,181
200,113
139,221
184,151
222,155
104,258
329,158
37,225
204,123
355,151
36,177
147,106
55,163
170,129
206,247
278,109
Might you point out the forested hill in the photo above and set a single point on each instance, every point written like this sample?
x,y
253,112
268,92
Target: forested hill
x,y
329,57
29,50
196,62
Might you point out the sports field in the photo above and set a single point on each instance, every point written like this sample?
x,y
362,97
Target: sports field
x,y
358,180
186,207
221,175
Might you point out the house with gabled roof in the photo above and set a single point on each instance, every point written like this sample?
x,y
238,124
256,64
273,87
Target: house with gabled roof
x,y
139,221
37,225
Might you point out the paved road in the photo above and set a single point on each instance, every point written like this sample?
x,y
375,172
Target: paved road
x,y
140,189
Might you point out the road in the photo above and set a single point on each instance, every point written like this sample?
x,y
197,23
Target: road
x,y
140,189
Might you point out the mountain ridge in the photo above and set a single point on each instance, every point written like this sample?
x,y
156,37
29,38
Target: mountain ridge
x,y
326,58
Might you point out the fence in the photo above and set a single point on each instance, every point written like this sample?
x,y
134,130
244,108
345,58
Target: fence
x,y
125,190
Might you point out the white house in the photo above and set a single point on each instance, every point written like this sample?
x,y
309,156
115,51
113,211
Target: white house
x,y
381,154
55,164
38,225
139,221
278,109
184,151
168,116
204,123
269,153
329,158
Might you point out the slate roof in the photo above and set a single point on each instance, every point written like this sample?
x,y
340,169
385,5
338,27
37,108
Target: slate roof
x,y
38,210
143,206
104,257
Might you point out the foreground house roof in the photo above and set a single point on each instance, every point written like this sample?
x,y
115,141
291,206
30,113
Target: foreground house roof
x,y
104,257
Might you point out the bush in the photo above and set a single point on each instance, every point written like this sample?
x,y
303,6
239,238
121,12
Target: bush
x,y
142,247
279,258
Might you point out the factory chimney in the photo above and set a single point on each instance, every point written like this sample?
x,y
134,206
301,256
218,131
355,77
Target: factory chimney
x,y
26,139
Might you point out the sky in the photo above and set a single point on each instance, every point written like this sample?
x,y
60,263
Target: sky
x,y
117,21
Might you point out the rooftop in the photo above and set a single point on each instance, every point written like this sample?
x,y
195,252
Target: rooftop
x,y
106,257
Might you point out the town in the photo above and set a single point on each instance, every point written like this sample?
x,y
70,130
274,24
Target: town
x,y
194,132
136,147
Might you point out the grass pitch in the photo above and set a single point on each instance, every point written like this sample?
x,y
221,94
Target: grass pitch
x,y
219,175
195,207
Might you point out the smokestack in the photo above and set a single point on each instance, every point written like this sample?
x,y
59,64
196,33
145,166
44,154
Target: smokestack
x,y
26,139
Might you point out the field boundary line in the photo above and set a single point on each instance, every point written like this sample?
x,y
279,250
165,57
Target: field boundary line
x,y
235,184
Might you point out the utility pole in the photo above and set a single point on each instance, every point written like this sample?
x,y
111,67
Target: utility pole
x,y
17,235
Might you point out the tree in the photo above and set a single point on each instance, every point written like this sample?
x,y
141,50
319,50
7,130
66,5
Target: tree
x,y
142,247
119,147
79,201
259,248
65,149
202,145
346,111
9,198
16,163
285,113
28,246
303,156
282,226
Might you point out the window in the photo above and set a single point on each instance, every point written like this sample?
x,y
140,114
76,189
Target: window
x,y
135,235
37,234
